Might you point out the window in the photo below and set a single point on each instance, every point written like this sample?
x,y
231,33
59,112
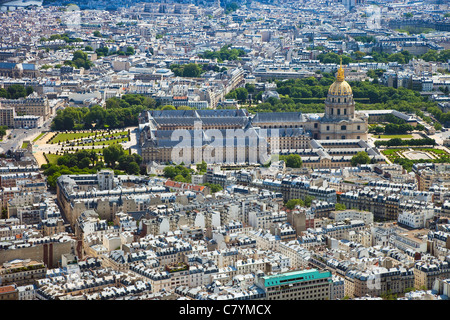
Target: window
x,y
345,111
343,137
343,127
359,127
339,111
328,128
315,125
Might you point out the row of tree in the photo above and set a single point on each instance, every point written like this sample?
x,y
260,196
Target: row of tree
x,y
225,53
392,128
401,57
178,173
407,164
119,113
292,160
16,91
406,142
194,70
105,51
87,162
79,60
64,36
292,203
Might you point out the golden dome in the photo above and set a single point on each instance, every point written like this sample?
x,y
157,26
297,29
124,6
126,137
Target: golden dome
x,y
340,87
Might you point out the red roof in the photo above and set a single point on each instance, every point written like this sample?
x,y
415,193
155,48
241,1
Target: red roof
x,y
7,289
184,186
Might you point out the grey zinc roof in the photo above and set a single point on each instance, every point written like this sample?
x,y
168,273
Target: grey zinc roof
x,y
277,117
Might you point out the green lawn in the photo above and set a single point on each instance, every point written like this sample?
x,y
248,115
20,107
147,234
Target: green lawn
x,y
393,136
52,158
62,137
38,137
98,151
107,143
436,151
389,152
24,145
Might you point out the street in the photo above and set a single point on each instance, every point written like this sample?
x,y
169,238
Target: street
x,y
20,135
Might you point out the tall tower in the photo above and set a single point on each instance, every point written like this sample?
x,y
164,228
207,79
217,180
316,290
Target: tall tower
x,y
339,103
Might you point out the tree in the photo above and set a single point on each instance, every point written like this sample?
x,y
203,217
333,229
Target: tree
x,y
29,90
360,158
438,126
241,94
133,168
84,163
93,157
112,154
213,187
309,200
192,70
231,95
130,163
179,178
185,108
130,51
4,213
169,172
379,129
201,167
80,59
332,57
68,122
250,87
3,131
291,204
293,161
16,91
340,207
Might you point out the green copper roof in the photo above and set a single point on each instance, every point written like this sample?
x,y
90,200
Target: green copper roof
x,y
295,276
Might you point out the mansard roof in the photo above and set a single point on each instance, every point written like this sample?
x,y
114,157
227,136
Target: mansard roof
x,y
263,117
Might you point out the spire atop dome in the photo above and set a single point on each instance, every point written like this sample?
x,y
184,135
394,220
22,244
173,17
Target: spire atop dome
x,y
340,87
340,73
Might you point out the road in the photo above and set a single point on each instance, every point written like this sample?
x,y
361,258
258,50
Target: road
x,y
20,135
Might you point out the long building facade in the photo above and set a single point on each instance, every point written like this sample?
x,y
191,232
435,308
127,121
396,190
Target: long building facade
x,y
235,136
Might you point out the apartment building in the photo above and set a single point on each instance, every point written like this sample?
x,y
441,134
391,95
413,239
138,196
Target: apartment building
x,y
7,115
378,281
427,271
32,105
22,272
309,284
9,292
